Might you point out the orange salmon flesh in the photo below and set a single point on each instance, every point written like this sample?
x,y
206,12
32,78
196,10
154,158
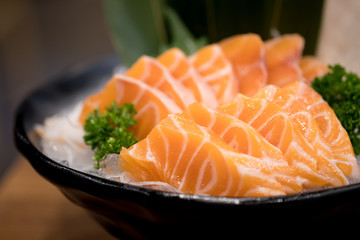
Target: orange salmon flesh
x,y
237,118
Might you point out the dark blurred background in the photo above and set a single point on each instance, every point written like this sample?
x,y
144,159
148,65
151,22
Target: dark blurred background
x,y
219,19
39,39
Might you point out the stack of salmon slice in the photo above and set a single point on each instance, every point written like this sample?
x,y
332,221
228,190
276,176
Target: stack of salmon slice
x,y
238,118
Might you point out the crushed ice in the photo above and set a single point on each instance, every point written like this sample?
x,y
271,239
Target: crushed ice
x,y
62,141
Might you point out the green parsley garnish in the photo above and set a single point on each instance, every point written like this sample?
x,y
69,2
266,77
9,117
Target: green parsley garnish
x,y
342,92
107,132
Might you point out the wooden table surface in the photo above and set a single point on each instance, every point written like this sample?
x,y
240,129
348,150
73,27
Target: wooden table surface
x,y
32,208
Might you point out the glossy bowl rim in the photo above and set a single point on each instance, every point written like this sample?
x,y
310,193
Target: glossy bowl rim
x,y
107,186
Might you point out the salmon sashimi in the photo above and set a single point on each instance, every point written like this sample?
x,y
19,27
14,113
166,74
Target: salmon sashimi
x,y
329,125
99,100
179,67
302,119
216,70
238,118
283,56
151,72
276,126
312,67
246,52
151,104
245,139
194,160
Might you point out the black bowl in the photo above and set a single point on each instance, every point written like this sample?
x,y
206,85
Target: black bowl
x,y
131,212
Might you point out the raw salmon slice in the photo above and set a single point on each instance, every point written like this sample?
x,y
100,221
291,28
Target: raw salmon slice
x,y
276,126
151,104
312,67
245,139
99,100
216,70
283,56
194,160
177,63
329,125
297,110
153,73
246,52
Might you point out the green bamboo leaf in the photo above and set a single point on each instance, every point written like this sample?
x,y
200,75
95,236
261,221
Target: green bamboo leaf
x,y
136,27
179,34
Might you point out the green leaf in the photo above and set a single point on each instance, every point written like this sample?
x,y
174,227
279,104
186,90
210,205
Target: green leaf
x,y
107,132
180,36
136,27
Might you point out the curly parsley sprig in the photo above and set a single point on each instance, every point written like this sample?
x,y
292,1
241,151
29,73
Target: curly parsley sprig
x,y
107,132
341,90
